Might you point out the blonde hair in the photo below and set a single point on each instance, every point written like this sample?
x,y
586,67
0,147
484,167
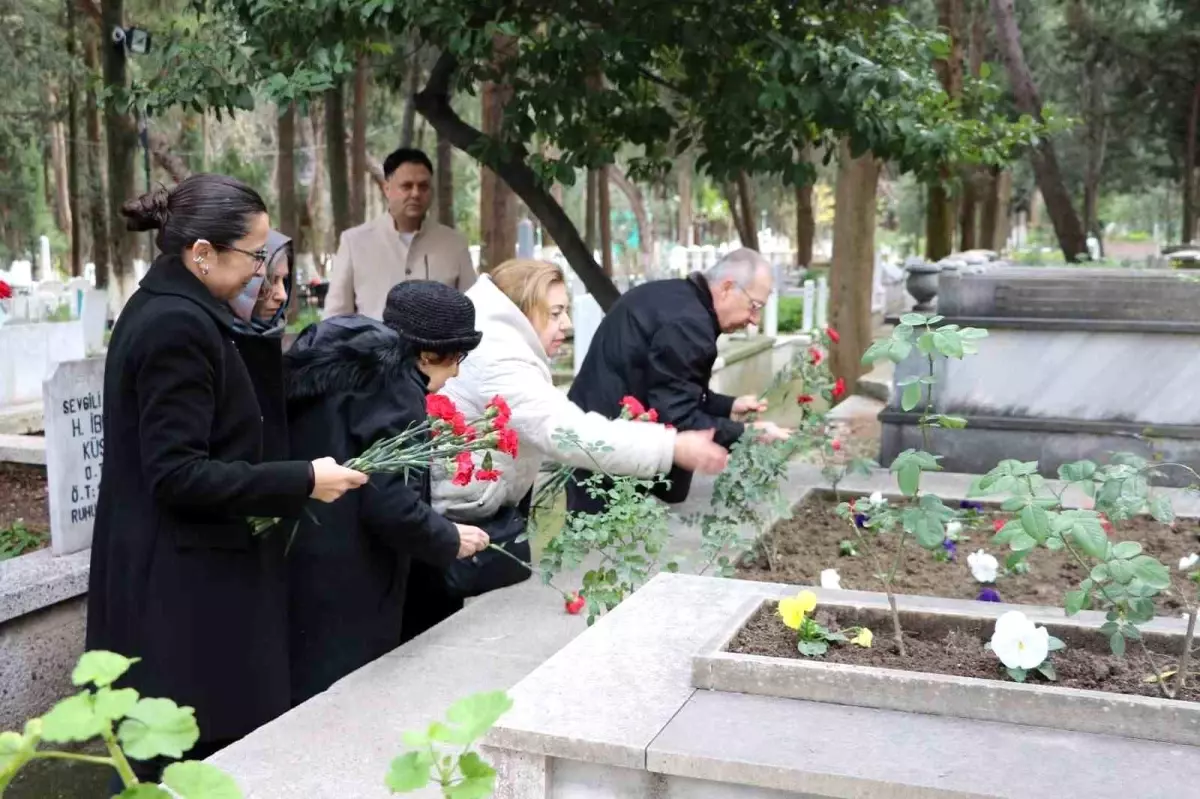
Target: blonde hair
x,y
527,283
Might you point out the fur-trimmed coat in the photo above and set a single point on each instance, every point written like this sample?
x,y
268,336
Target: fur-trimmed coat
x,y
350,382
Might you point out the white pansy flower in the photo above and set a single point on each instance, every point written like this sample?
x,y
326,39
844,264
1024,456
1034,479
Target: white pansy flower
x,y
953,530
831,579
1188,562
1018,642
984,567
876,498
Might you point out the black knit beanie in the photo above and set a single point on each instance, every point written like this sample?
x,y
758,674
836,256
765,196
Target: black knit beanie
x,y
433,316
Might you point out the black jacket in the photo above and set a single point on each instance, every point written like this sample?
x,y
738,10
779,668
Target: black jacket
x,y
658,343
352,381
177,579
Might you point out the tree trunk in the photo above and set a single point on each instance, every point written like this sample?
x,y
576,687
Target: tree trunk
x,y
1071,236
433,103
96,167
410,107
604,213
852,269
498,208
73,166
591,213
335,148
975,180
749,227
806,220
730,193
637,204
121,136
683,166
445,181
289,219
1189,170
358,144
64,210
160,149
939,213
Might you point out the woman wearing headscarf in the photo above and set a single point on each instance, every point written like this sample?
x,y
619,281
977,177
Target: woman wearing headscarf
x,y
177,577
352,381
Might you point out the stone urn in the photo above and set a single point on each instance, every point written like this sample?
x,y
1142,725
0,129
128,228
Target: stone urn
x,y
922,283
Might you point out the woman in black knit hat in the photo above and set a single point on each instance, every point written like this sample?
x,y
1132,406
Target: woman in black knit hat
x,y
352,381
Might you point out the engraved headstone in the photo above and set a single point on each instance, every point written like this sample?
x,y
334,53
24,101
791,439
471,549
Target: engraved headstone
x,y
74,420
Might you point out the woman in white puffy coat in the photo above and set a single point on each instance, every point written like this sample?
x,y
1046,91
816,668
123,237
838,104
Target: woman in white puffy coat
x,y
522,310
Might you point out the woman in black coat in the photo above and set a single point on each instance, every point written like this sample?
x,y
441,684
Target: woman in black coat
x,y
177,579
351,382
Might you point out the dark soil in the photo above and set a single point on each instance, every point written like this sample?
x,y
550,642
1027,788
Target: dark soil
x,y
958,649
23,496
802,546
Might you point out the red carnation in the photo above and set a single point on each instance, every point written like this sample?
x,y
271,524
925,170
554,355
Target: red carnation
x,y
458,423
502,413
833,335
440,407
465,468
998,524
5,291
804,399
508,442
651,415
839,388
836,445
815,355
574,603
487,475
633,406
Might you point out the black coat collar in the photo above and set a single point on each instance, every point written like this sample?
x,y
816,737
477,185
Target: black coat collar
x,y
168,276
704,292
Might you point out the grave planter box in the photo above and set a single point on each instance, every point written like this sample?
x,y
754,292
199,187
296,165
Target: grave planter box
x,y
1035,704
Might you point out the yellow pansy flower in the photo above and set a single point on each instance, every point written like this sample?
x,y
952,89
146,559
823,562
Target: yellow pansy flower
x,y
793,609
863,639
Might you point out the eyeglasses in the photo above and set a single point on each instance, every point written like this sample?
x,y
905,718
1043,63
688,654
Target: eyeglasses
x,y
755,305
259,255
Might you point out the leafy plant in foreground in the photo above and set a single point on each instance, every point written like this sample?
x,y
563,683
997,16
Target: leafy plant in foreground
x,y
130,727
441,754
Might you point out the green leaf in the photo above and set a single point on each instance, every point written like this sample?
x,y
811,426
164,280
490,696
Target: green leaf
x,y
1047,670
73,719
1022,541
1117,643
951,422
100,668
409,772
908,477
1121,571
913,319
1017,674
1160,509
1126,549
479,779
11,745
158,728
813,648
112,705
192,779
1077,471
911,396
1150,571
1036,522
1074,601
476,714
1090,537
144,791
1100,572
1056,644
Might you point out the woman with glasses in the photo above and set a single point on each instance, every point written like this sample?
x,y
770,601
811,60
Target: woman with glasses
x,y
177,578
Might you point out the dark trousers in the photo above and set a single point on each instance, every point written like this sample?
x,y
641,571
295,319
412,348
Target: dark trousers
x,y
679,484
150,771
426,601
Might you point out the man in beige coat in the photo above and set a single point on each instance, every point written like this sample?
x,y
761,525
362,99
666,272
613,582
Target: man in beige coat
x,y
401,244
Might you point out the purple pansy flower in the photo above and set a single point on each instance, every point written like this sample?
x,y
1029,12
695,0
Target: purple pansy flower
x,y
951,548
988,595
860,520
969,505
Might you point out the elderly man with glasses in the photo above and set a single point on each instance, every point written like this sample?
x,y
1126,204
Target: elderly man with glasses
x,y
658,344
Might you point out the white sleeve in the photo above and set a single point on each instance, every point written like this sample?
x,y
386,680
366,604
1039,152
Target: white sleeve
x,y
539,410
340,299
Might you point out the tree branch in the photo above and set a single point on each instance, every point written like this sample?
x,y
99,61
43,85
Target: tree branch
x,y
433,103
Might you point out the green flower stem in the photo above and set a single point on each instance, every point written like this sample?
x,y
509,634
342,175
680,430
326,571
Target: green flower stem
x,y
93,759
897,631
1186,656
531,567
118,759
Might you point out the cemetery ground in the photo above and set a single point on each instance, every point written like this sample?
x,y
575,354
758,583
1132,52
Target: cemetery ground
x,y
24,509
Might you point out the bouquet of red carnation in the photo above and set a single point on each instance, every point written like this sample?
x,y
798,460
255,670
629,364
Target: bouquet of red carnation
x,y
5,291
444,437
633,410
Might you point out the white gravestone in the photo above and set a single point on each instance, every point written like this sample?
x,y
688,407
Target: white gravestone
x,y
72,399
586,316
809,319
94,315
822,302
